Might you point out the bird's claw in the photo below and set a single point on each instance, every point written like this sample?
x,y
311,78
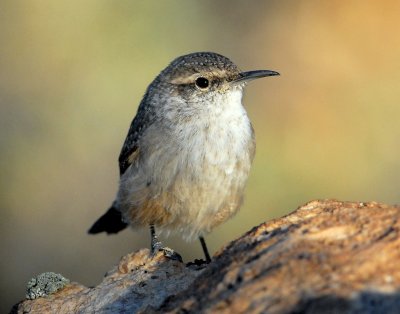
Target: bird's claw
x,y
168,252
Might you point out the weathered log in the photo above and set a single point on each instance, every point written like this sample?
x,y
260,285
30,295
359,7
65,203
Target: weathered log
x,y
325,257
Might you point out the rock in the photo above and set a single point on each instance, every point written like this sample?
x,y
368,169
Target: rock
x,y
325,257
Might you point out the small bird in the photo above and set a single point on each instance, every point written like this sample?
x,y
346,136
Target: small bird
x,y
187,156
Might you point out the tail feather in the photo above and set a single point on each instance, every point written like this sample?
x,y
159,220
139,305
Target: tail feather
x,y
110,222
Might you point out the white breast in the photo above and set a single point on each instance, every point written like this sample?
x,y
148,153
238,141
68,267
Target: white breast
x,y
221,133
215,162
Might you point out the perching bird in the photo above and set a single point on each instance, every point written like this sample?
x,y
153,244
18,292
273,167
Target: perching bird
x,y
188,152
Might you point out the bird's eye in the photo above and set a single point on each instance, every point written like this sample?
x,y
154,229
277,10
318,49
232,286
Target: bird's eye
x,y
202,82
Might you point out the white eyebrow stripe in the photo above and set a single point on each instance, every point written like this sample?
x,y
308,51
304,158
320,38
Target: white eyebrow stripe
x,y
185,79
193,77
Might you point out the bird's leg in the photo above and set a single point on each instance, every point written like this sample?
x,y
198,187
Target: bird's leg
x,y
205,250
156,246
155,243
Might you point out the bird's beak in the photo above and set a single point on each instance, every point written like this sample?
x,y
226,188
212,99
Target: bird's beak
x,y
252,75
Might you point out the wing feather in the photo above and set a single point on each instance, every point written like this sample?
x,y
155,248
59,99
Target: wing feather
x,y
130,150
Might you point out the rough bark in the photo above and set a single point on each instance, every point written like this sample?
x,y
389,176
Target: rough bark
x,y
325,257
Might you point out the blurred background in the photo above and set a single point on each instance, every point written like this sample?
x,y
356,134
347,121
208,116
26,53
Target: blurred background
x,y
72,74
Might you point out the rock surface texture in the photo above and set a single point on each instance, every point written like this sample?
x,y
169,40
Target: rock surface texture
x,y
325,257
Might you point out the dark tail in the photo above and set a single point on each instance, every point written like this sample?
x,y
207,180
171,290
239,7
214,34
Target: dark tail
x,y
110,222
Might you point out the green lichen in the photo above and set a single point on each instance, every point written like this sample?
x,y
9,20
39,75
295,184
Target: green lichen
x,y
45,284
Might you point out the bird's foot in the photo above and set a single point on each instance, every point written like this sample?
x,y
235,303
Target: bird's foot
x,y
168,252
198,262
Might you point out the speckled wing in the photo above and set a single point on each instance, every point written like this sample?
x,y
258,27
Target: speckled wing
x,y
130,149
